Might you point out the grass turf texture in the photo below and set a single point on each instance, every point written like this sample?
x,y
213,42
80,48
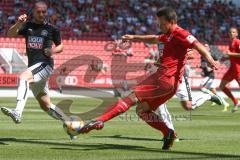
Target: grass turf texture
x,y
207,134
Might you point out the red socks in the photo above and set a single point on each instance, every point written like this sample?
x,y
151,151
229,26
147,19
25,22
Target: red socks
x,y
230,95
154,121
118,108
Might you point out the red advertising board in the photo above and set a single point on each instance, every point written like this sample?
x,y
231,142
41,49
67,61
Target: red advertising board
x,y
8,80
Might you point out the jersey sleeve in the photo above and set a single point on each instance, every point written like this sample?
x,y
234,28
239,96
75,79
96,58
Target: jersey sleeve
x,y
162,38
24,29
237,46
186,39
56,36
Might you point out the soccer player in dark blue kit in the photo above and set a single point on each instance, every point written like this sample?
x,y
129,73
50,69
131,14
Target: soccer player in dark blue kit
x,y
39,35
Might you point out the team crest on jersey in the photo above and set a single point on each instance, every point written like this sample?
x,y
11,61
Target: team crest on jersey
x,y
191,39
44,33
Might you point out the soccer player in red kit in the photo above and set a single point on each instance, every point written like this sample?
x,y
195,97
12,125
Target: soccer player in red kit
x,y
162,85
234,71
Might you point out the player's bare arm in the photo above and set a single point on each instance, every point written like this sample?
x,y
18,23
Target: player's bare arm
x,y
144,38
206,54
232,54
190,54
13,31
51,51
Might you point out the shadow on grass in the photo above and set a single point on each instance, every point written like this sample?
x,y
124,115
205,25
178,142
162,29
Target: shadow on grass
x,y
2,143
139,138
108,146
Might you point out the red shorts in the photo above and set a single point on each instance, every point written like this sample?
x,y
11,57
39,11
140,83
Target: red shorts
x,y
231,74
156,89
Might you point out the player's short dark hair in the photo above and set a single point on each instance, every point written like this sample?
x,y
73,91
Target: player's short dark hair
x,y
233,28
39,2
168,13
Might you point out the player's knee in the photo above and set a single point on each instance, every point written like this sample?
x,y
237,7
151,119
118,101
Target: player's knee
x,y
22,77
142,107
187,105
25,76
133,97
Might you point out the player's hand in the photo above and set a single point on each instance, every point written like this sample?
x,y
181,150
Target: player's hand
x,y
228,53
22,18
48,52
128,37
215,65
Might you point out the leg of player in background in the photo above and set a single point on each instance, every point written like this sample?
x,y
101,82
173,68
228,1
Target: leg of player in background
x,y
226,79
238,105
153,119
225,104
163,112
208,86
166,117
160,122
223,87
188,102
22,95
198,100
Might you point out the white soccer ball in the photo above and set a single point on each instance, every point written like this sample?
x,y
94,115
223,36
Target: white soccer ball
x,y
73,126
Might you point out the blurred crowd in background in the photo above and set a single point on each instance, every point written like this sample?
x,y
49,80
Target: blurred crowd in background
x,y
110,19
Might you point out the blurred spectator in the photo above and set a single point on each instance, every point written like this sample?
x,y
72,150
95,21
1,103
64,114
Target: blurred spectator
x,y
206,19
99,67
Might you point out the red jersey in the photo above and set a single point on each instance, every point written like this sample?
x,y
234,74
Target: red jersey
x,y
234,47
175,50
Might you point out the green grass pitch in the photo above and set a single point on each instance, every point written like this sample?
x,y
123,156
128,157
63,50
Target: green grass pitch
x,y
207,133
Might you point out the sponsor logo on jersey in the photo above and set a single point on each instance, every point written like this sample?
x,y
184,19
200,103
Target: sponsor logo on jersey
x,y
35,42
44,33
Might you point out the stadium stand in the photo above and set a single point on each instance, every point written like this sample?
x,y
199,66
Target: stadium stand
x,y
109,19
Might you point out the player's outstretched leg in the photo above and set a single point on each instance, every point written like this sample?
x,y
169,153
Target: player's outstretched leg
x,y
116,109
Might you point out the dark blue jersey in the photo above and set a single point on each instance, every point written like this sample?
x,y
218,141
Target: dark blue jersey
x,y
39,37
206,70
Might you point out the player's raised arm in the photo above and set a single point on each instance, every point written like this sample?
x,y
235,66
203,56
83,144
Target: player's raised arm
x,y
206,54
144,38
13,31
232,54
